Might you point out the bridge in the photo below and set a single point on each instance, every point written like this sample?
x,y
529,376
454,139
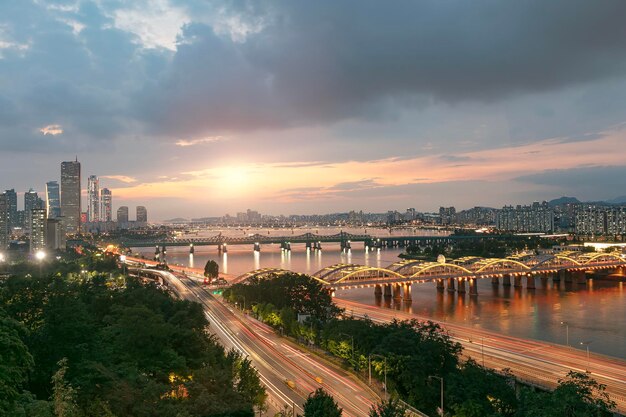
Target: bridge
x,y
396,279
311,241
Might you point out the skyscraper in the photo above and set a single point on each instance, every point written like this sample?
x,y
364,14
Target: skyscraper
x,y
122,215
142,214
4,221
106,205
93,199
11,197
70,195
53,200
38,229
31,202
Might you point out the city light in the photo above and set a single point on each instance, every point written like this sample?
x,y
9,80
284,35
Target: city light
x,y
40,255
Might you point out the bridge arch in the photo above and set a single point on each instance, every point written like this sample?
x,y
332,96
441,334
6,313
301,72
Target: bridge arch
x,y
432,265
552,258
592,258
492,262
260,273
342,273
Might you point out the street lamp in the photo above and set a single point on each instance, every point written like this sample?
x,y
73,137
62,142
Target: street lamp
x,y
586,344
369,365
566,324
40,255
123,262
352,340
440,378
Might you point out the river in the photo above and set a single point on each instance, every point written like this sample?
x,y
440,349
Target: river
x,y
594,313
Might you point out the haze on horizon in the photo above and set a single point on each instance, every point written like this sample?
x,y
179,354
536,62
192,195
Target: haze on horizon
x,y
200,108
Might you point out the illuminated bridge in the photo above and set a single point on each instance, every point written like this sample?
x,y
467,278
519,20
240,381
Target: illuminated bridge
x,y
396,279
312,241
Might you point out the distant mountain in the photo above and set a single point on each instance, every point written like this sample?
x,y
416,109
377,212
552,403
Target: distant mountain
x,y
563,200
176,220
617,200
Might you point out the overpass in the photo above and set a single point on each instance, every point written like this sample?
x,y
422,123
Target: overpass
x,y
311,240
396,279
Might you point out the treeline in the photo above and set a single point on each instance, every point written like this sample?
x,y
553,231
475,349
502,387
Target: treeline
x,y
414,356
76,343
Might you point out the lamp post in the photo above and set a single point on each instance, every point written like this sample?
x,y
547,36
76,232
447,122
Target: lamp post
x,y
123,262
352,343
566,324
369,365
586,344
2,259
440,378
40,255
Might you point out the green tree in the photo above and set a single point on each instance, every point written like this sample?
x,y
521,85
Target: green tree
x,y
63,394
580,395
321,404
15,362
389,408
211,269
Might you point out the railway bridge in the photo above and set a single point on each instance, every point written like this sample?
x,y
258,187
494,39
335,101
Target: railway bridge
x,y
457,275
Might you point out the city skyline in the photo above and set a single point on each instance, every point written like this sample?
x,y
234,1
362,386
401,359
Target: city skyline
x,y
218,107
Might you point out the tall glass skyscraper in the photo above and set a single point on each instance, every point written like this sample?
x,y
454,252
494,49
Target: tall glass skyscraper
x,y
106,205
93,199
53,200
11,197
70,196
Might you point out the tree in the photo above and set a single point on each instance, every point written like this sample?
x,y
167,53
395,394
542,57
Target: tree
x,y
15,362
211,269
321,404
63,394
580,395
390,408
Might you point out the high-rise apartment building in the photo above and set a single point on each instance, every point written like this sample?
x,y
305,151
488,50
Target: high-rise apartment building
x,y
93,199
142,214
122,215
53,200
70,196
38,229
11,197
106,205
4,221
600,220
534,218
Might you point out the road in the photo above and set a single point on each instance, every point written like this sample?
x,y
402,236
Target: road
x,y
536,362
288,373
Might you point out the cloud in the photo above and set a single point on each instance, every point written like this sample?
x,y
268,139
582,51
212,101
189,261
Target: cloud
x,y
193,142
52,130
122,178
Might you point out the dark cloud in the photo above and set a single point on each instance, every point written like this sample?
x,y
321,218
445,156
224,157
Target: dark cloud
x,y
587,183
316,62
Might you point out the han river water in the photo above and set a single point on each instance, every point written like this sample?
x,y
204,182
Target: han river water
x,y
595,312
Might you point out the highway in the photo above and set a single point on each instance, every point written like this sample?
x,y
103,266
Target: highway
x,y
532,361
288,373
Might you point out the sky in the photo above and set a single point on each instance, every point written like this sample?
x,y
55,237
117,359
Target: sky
x,y
200,108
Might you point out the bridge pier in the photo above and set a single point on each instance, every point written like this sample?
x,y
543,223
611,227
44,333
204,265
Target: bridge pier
x,y
517,281
568,276
451,284
580,277
473,284
407,293
387,291
506,280
397,292
495,281
461,285
530,281
307,245
440,286
378,291
257,247
191,248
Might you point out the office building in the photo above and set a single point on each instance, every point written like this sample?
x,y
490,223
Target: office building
x,y
142,214
53,200
31,202
11,197
38,229
4,221
55,235
93,199
106,205
122,216
70,196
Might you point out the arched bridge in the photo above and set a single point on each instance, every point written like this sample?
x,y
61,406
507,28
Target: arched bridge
x,y
569,266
